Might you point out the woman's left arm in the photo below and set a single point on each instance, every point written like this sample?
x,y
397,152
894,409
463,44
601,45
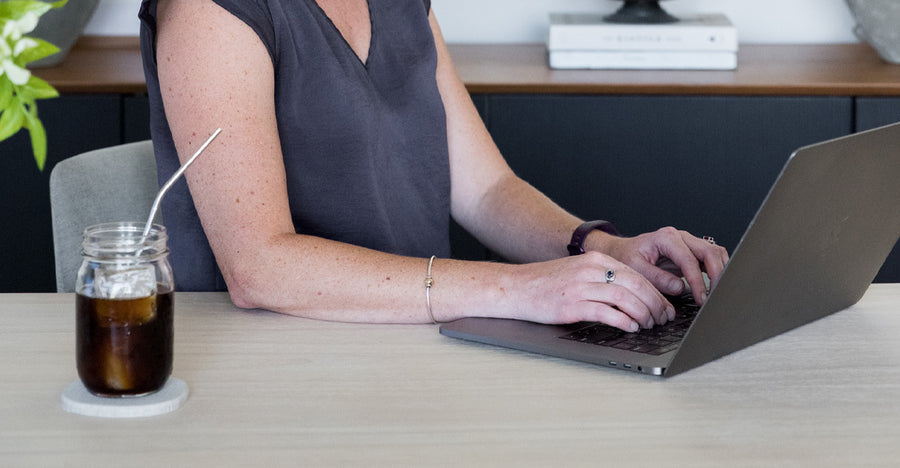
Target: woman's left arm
x,y
514,219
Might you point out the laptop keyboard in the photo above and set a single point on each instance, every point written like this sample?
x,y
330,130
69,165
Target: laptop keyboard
x,y
654,341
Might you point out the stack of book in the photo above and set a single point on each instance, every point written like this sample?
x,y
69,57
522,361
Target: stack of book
x,y
701,42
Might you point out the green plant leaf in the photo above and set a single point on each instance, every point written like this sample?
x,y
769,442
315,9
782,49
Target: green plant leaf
x,y
16,9
41,50
6,93
37,88
38,138
11,120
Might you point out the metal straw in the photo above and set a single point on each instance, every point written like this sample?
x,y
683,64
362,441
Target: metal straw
x,y
172,180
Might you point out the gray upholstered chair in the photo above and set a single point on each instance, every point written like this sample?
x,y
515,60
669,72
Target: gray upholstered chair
x,y
106,185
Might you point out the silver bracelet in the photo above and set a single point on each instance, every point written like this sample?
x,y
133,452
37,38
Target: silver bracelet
x,y
429,282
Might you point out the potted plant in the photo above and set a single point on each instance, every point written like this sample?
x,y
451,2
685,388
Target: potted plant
x,y
878,23
63,27
19,89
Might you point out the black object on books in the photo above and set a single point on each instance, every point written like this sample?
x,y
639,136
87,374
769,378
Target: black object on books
x,y
641,12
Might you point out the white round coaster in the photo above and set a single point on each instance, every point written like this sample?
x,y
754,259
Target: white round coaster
x,y
77,399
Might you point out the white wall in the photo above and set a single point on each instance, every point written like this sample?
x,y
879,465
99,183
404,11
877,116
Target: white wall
x,y
115,18
499,21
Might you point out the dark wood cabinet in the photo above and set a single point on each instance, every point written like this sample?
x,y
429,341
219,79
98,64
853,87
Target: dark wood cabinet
x,y
699,163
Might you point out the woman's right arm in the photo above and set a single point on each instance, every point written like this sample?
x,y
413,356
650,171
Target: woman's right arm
x,y
215,72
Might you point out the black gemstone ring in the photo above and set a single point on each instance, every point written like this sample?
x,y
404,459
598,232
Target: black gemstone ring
x,y
610,275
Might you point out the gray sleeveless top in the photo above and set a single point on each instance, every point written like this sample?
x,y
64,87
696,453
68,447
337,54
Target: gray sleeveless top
x,y
365,144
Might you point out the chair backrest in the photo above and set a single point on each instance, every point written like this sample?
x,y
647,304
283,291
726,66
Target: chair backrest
x,y
107,185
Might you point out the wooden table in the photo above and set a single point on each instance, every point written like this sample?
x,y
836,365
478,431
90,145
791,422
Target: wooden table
x,y
273,390
113,65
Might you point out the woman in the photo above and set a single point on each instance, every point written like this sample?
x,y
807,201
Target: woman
x,y
348,141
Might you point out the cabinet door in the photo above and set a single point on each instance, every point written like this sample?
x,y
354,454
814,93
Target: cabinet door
x,y
874,112
74,124
700,163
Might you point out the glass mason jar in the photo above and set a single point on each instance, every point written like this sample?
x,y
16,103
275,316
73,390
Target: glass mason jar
x,y
124,310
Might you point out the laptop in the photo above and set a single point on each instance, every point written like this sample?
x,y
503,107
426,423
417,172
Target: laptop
x,y
813,248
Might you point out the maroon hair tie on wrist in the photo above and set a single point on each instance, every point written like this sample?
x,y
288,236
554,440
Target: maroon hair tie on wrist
x,y
576,245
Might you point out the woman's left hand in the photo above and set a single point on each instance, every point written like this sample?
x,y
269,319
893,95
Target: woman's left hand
x,y
666,255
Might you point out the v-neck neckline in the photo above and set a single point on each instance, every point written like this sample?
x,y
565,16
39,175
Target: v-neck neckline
x,y
336,30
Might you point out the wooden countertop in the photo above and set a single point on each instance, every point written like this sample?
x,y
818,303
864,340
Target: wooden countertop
x,y
113,65
831,69
99,65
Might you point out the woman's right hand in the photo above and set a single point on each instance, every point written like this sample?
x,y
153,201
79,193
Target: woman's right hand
x,y
574,289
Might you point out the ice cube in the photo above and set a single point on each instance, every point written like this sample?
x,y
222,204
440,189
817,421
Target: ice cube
x,y
125,281
118,372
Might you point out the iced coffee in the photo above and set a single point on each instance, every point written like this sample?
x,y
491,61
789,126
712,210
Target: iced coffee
x,y
124,311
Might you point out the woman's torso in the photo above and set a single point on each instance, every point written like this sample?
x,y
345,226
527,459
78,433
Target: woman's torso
x,y
362,129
